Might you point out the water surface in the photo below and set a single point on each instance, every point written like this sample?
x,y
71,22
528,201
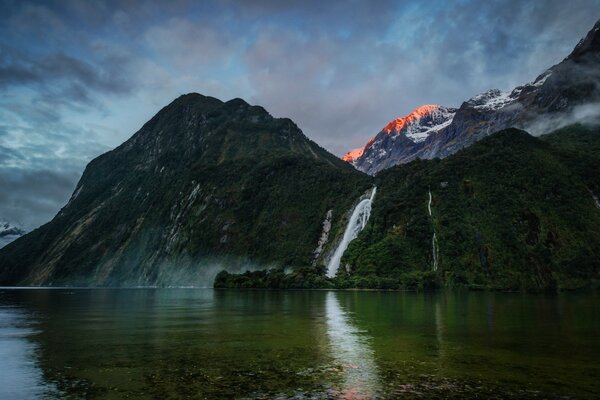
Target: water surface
x,y
203,343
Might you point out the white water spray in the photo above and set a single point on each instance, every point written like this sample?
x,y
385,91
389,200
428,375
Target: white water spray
x,y
434,247
357,223
596,201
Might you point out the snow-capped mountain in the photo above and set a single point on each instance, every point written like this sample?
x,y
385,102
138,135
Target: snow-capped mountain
x,y
9,232
400,136
494,99
555,98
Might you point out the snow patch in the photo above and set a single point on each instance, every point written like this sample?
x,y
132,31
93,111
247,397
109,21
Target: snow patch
x,y
491,100
9,232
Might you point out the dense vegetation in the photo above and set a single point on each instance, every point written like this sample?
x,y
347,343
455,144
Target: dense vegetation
x,y
511,212
202,185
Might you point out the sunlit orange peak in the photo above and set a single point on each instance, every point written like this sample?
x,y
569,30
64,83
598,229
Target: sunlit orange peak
x,y
419,112
353,154
394,126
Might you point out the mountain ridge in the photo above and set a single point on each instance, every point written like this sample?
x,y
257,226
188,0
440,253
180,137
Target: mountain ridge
x,y
553,96
415,127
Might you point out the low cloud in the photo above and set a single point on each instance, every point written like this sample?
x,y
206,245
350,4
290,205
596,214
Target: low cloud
x,y
30,198
64,77
585,114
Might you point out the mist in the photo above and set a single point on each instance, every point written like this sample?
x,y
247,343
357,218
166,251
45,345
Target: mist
x,y
585,114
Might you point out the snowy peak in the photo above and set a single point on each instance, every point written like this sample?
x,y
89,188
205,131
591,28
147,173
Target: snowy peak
x,y
9,232
355,154
399,123
421,122
492,100
416,126
431,131
7,229
495,99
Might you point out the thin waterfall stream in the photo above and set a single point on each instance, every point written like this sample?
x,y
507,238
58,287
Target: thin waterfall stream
x,y
434,246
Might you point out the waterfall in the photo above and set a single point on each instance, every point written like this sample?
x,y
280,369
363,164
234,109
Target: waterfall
x,y
596,201
434,249
429,204
357,223
434,246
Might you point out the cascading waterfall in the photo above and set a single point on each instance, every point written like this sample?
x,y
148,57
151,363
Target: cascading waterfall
x,y
358,221
434,246
596,201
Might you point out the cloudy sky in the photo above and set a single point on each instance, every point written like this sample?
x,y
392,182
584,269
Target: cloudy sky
x,y
79,77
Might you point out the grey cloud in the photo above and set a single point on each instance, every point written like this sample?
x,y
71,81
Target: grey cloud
x,y
64,76
189,46
341,89
31,198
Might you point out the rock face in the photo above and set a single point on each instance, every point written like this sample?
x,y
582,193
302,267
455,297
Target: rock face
x,y
399,138
565,93
204,185
9,233
324,237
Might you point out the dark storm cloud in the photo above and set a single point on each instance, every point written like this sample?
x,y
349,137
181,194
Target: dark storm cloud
x,y
78,77
27,195
64,76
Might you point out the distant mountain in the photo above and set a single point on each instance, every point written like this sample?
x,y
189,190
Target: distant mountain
x,y
399,137
564,94
204,185
9,232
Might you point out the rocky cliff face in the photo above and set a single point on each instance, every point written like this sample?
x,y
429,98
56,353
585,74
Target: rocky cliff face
x,y
565,93
204,185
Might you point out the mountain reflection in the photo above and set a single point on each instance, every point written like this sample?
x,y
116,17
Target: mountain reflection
x,y
21,376
351,351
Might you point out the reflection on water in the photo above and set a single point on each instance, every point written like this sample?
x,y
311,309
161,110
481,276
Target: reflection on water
x,y
20,377
439,329
350,349
207,344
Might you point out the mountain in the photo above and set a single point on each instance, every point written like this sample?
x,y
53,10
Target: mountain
x,y
202,186
9,232
565,93
206,186
398,138
509,212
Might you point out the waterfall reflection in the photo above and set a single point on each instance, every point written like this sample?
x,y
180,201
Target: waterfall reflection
x,y
351,351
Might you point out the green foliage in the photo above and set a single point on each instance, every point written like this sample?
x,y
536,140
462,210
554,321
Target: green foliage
x,y
511,212
301,278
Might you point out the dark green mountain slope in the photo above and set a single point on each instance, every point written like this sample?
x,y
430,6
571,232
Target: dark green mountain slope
x,y
510,212
578,146
202,184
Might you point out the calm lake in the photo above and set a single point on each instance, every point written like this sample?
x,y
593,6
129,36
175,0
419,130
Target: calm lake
x,y
204,343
